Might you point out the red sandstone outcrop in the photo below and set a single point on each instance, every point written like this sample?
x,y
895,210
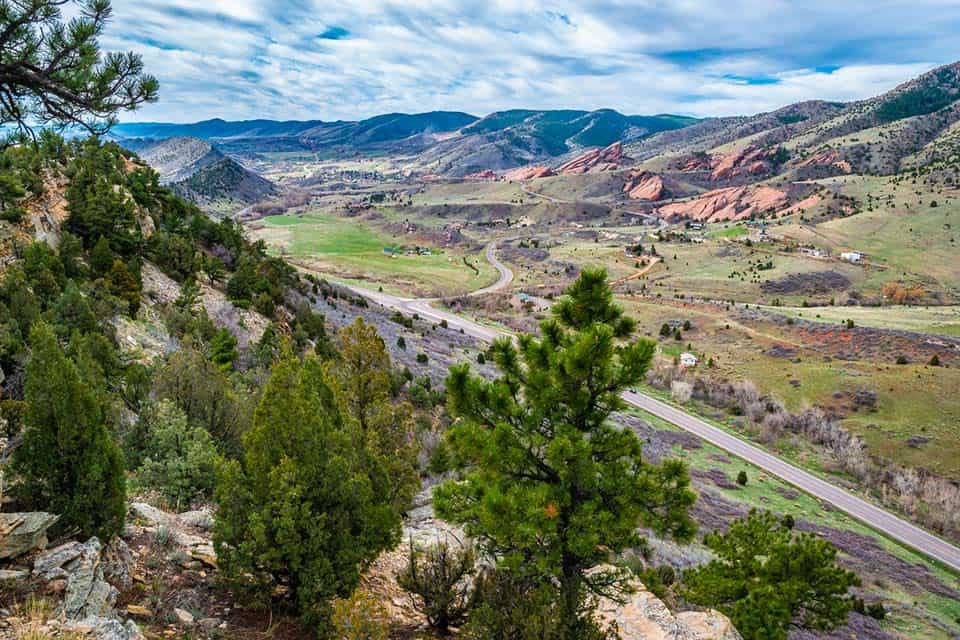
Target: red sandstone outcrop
x,y
751,160
645,185
486,174
529,172
731,203
606,159
828,158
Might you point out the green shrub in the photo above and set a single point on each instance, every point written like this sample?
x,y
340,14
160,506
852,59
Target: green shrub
x,y
360,617
439,578
177,459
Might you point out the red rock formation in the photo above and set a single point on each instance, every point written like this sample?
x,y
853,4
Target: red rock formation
x,y
529,172
731,203
750,160
486,174
644,185
828,158
606,159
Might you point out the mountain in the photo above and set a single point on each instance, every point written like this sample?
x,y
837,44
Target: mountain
x,y
510,139
224,186
178,158
392,132
214,129
199,171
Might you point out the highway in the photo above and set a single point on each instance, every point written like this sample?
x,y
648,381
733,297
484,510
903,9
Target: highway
x,y
880,519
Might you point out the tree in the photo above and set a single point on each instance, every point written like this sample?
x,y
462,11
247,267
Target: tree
x,y
360,378
205,395
438,577
175,458
767,579
299,508
551,488
68,462
742,478
53,73
223,350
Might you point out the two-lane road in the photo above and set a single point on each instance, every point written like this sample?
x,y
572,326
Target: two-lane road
x,y
880,519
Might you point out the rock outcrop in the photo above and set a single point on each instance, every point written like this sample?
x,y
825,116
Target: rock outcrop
x,y
829,158
730,203
21,533
529,172
595,160
645,185
644,617
486,174
184,529
749,161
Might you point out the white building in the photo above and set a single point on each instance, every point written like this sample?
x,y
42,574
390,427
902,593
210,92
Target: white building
x,y
688,360
851,256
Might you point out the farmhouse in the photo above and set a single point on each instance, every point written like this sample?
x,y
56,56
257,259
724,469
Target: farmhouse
x,y
851,256
688,360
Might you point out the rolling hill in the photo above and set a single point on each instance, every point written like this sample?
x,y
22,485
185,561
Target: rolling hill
x,y
199,171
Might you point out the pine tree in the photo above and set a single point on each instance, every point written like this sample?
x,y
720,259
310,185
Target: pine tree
x,y
769,579
68,462
551,488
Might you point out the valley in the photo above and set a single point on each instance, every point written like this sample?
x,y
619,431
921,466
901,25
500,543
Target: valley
x,y
475,372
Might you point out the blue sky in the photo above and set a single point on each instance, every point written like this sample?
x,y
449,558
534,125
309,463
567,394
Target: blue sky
x,y
328,60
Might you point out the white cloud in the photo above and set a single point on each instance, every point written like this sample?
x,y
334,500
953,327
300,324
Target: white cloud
x,y
256,58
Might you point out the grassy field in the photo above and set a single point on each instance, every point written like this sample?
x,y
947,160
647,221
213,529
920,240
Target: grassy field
x,y
937,320
348,249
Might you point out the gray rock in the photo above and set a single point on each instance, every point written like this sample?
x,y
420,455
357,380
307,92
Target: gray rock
x,y
47,563
88,593
22,533
117,564
201,519
102,628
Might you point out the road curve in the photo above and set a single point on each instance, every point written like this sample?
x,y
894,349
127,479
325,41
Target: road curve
x,y
880,519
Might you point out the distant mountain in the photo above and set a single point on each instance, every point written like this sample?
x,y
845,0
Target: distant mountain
x,y
199,171
392,132
508,139
214,129
452,142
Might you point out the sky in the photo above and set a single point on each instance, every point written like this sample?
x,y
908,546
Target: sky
x,y
329,60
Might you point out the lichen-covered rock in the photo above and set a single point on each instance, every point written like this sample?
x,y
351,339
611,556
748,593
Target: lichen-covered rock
x,y
21,533
101,628
49,564
118,563
88,593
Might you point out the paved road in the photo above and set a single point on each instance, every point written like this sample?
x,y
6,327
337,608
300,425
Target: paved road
x,y
878,518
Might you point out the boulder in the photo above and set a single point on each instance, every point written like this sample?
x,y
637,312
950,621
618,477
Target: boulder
x,y
644,617
49,564
13,575
88,593
100,628
21,533
118,563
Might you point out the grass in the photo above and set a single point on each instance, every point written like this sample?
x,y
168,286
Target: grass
x,y
349,249
938,320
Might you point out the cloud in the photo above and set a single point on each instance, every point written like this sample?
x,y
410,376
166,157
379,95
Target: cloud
x,y
335,59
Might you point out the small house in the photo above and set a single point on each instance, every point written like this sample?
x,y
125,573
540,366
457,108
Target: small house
x,y
688,360
851,256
